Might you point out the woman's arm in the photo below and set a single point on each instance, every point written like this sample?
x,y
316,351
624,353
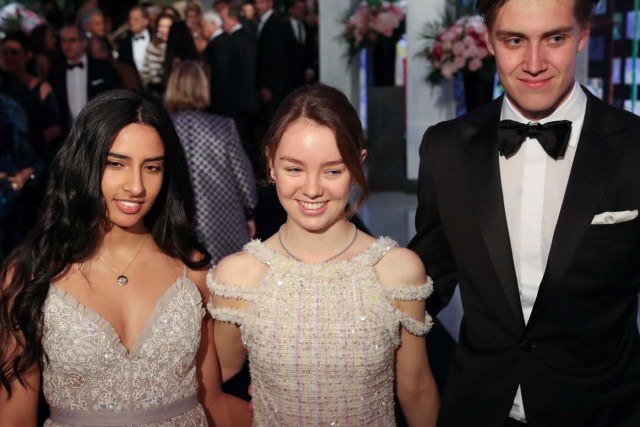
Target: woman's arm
x,y
417,391
416,387
21,409
222,409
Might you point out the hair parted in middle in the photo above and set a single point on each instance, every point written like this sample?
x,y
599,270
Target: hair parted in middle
x,y
330,108
73,218
187,88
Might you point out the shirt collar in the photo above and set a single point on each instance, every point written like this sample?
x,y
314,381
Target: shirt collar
x,y
266,16
572,109
235,28
144,34
216,33
82,59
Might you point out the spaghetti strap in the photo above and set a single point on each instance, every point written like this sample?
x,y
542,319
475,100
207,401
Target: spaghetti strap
x,y
185,271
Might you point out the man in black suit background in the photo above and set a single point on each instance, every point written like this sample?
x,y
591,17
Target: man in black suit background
x,y
271,66
133,48
299,47
217,55
79,78
538,225
242,63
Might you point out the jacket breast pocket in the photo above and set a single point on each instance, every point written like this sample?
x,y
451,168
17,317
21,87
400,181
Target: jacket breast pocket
x,y
614,231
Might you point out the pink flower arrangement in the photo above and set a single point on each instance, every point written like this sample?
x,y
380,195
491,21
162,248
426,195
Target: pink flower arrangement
x,y
16,17
459,47
371,21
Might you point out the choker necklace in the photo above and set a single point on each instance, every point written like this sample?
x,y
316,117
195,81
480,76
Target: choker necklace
x,y
122,279
355,234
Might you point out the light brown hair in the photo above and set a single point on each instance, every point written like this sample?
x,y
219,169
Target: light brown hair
x,y
188,87
327,107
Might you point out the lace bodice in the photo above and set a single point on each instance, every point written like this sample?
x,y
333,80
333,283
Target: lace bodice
x,y
321,338
89,372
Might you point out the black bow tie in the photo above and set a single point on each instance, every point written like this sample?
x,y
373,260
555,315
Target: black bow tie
x,y
138,37
77,64
552,136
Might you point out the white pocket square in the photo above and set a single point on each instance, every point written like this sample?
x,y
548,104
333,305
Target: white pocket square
x,y
614,217
97,82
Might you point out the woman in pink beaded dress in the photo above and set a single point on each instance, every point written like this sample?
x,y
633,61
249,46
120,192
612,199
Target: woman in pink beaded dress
x,y
328,316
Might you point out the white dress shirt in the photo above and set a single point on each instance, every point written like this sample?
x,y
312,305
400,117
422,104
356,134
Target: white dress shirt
x,y
298,30
140,42
77,87
533,186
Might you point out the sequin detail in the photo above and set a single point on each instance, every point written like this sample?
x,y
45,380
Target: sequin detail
x,y
321,339
90,370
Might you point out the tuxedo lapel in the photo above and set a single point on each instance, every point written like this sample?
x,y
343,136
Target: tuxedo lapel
x,y
486,194
598,151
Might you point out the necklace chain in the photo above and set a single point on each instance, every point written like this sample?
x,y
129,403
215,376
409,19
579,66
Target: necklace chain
x,y
122,279
353,240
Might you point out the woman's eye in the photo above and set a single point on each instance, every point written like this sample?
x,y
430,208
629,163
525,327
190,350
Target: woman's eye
x,y
334,172
154,168
293,170
114,164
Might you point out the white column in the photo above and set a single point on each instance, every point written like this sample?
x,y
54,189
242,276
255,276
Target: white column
x,y
426,106
334,68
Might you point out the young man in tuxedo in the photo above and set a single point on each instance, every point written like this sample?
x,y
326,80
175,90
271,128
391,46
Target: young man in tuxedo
x,y
530,205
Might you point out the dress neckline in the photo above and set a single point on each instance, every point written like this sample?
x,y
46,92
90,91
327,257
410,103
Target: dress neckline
x,y
372,253
107,327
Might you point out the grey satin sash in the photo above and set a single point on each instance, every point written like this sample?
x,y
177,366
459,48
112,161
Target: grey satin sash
x,y
124,418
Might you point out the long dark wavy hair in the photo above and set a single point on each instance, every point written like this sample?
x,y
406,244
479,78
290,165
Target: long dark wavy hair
x,y
73,221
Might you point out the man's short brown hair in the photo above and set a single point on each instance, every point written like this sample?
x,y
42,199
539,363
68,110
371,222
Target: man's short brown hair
x,y
488,9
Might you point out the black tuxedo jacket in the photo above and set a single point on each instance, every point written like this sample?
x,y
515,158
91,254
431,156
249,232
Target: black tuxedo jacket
x,y
578,358
299,56
243,78
218,55
101,76
125,51
271,69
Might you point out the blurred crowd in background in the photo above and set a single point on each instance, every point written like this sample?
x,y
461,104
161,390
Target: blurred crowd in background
x,y
54,59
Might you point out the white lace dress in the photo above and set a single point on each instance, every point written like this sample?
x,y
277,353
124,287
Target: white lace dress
x,y
90,379
321,338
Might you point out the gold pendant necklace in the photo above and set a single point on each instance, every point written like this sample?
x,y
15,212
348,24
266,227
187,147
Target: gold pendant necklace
x,y
122,279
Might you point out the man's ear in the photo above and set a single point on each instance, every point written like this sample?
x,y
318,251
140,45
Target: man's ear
x,y
584,38
487,41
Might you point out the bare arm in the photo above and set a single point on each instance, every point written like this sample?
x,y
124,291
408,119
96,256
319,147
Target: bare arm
x,y
416,387
221,409
417,391
21,409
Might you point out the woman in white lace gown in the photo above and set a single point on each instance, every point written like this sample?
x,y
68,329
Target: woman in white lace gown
x,y
104,297
328,316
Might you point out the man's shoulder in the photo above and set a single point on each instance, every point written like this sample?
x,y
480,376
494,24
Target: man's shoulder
x,y
602,115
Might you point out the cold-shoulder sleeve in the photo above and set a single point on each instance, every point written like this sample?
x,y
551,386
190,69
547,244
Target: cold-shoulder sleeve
x,y
411,293
232,292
